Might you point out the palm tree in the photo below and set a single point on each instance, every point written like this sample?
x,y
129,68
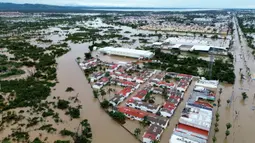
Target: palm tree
x,y
147,97
137,132
102,92
164,94
228,125
152,99
145,121
227,133
109,91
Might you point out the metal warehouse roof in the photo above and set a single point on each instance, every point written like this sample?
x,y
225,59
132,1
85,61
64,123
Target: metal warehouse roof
x,y
127,51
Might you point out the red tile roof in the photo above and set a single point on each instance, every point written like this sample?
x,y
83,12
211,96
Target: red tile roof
x,y
192,129
173,96
185,75
128,83
204,104
133,112
169,106
104,79
124,91
114,66
152,132
131,101
140,94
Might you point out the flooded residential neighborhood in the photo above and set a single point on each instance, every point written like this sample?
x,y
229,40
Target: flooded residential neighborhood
x,y
109,76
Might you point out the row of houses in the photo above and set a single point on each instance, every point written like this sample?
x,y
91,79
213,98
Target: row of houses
x,y
101,83
151,108
170,105
88,64
157,123
140,78
182,85
175,93
196,118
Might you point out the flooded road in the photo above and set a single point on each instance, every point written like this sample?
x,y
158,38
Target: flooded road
x,y
104,129
239,112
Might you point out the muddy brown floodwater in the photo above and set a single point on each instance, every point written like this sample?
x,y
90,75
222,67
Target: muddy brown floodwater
x,y
104,129
239,113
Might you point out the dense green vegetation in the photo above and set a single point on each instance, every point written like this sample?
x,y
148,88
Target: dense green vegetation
x,y
65,132
73,112
247,29
118,116
221,70
63,104
34,89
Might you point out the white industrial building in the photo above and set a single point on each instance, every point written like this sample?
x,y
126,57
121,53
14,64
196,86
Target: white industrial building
x,y
203,48
127,52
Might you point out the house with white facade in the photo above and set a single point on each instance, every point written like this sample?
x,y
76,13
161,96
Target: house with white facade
x,y
132,113
153,133
96,76
116,100
143,106
157,120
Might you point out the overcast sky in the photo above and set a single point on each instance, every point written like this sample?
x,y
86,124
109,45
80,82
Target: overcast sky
x,y
149,3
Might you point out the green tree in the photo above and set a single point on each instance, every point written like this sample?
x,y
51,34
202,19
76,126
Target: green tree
x,y
214,139
227,133
118,116
109,91
65,132
107,74
228,102
216,124
137,132
105,104
244,95
228,125
216,129
102,92
147,97
69,89
62,104
88,56
217,115
152,99
59,141
74,112
145,121
220,91
95,93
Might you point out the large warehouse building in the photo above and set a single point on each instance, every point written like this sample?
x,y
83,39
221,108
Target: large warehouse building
x,y
127,52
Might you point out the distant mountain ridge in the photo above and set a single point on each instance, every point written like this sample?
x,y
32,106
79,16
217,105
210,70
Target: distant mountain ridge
x,y
68,8
55,8
34,7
